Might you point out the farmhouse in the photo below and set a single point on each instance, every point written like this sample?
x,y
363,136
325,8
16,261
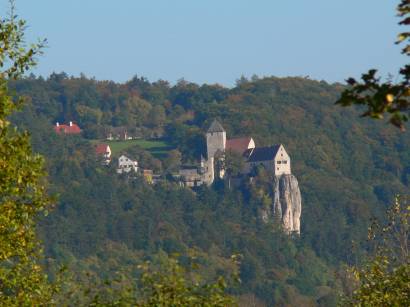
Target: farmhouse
x,y
71,128
104,152
126,165
117,133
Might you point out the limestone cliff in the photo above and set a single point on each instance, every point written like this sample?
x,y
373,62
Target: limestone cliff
x,y
286,204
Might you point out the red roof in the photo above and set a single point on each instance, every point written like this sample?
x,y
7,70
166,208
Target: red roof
x,y
239,145
67,129
101,149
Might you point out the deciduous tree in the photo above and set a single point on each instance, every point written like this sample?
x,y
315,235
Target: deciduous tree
x,y
23,194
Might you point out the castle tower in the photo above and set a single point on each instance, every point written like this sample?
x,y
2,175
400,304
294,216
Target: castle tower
x,y
215,139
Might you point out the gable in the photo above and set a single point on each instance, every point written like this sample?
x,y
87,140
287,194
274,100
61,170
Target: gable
x,y
281,154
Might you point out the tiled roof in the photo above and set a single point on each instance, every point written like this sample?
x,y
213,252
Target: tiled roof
x,y
239,145
262,153
101,149
216,127
67,129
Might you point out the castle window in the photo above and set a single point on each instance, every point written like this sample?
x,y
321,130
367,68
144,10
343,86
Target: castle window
x,y
279,162
285,162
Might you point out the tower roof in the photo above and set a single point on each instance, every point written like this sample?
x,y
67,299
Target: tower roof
x,y
216,127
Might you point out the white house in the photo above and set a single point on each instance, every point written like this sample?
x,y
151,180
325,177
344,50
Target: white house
x,y
274,158
126,165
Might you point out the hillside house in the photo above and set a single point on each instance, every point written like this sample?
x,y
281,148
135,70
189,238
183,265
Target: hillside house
x,y
103,151
118,133
126,165
71,128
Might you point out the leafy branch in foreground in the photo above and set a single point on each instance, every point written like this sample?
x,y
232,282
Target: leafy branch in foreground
x,y
384,97
15,57
23,193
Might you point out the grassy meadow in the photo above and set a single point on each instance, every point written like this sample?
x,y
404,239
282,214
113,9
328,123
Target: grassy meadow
x,y
158,148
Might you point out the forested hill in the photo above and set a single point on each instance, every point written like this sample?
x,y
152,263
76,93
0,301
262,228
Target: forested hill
x,y
348,169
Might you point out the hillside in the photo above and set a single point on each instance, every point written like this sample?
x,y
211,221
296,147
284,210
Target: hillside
x,y
348,170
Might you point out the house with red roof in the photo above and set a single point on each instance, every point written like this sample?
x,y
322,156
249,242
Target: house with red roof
x,y
71,128
104,152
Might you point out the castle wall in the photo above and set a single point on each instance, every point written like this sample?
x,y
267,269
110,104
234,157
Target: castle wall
x,y
269,165
209,175
282,162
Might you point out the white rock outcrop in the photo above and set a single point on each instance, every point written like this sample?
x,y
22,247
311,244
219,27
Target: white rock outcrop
x,y
286,204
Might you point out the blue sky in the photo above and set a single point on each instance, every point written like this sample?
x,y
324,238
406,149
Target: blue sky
x,y
213,41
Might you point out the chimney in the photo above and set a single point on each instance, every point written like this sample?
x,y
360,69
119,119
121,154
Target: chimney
x,y
57,124
71,124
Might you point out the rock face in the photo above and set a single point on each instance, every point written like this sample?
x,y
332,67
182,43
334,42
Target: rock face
x,y
286,206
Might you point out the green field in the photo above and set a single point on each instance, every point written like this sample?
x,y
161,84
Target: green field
x,y
158,148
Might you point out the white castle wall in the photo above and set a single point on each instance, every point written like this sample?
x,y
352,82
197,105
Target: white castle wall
x,y
282,162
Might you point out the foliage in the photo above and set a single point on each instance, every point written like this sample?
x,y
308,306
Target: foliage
x,y
234,163
356,168
173,160
164,281
384,280
171,288
104,223
384,97
23,195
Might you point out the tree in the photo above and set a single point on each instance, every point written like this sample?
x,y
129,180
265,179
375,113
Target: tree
x,y
173,160
170,287
384,280
163,282
23,194
234,165
384,97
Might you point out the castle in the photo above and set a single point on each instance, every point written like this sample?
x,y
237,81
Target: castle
x,y
273,158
